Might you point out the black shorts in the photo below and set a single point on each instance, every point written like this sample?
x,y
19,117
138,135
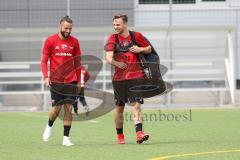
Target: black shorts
x,y
122,94
63,93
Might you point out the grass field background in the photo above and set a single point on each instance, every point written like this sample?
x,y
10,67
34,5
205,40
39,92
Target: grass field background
x,y
207,130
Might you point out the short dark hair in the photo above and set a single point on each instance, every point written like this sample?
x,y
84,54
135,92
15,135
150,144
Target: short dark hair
x,y
122,16
66,19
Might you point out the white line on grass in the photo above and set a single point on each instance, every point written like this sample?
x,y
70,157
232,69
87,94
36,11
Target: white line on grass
x,y
194,154
91,121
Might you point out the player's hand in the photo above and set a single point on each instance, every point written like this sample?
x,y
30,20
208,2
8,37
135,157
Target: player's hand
x,y
121,65
135,49
47,82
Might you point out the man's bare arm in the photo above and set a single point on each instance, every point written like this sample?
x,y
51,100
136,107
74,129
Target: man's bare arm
x,y
110,60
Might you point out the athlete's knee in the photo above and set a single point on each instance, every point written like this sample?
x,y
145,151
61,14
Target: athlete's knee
x,y
68,108
55,111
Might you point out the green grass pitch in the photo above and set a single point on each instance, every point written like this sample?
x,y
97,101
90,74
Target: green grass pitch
x,y
207,130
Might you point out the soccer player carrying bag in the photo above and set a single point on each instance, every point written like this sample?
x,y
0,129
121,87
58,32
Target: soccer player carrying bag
x,y
123,55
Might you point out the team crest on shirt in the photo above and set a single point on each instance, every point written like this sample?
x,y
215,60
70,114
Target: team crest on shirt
x,y
125,43
64,46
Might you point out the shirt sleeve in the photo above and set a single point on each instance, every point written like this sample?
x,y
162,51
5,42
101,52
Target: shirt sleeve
x,y
45,56
77,60
141,40
110,44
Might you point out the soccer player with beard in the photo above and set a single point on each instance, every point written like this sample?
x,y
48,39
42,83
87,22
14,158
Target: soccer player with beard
x,y
127,71
63,51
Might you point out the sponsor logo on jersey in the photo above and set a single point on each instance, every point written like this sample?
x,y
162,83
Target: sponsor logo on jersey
x,y
63,54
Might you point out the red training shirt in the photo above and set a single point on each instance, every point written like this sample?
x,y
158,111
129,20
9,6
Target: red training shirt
x,y
64,58
133,70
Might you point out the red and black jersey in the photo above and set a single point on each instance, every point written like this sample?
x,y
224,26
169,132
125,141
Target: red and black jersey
x,y
133,70
64,58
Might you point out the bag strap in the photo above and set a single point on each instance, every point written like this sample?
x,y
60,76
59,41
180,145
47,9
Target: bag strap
x,y
116,39
132,35
140,55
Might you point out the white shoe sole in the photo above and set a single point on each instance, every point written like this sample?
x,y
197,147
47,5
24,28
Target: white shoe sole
x,y
68,145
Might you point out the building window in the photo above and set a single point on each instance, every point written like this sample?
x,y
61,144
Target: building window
x,y
167,1
213,0
175,1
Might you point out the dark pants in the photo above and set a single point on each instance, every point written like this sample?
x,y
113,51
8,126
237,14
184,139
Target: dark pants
x,y
81,99
122,94
63,93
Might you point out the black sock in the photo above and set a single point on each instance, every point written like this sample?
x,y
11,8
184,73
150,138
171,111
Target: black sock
x,y
50,123
119,130
67,130
138,127
75,105
83,101
76,110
